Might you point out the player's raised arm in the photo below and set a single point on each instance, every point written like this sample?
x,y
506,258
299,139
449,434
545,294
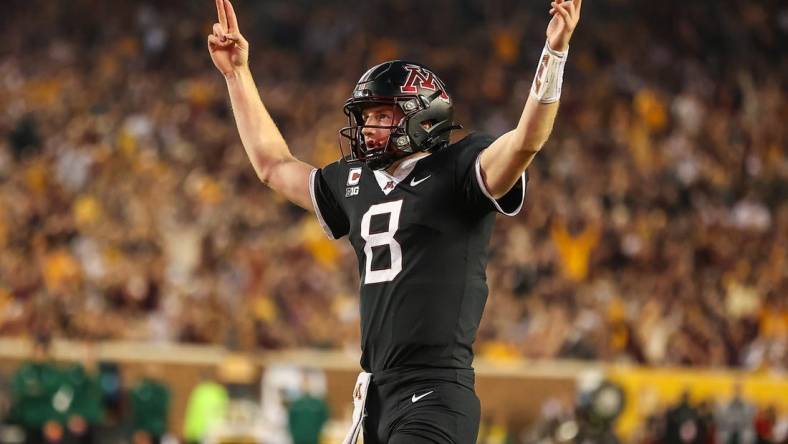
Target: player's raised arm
x,y
506,158
264,144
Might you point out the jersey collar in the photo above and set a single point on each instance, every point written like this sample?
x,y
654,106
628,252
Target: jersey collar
x,y
388,182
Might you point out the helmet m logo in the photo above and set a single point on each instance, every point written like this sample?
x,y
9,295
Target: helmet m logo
x,y
420,77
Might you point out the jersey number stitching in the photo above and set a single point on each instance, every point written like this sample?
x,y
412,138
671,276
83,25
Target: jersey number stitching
x,y
379,239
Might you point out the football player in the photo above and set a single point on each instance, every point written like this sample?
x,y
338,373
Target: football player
x,y
418,210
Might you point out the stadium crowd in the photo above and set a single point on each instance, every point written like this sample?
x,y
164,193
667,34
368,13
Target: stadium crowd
x,y
655,228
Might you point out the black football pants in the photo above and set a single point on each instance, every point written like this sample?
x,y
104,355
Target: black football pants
x,y
422,406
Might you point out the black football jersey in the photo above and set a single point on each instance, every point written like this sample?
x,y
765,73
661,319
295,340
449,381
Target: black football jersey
x,y
421,239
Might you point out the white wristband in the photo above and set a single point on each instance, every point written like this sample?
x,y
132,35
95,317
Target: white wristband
x,y
549,75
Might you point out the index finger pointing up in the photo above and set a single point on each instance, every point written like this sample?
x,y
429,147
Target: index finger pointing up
x,y
232,20
221,14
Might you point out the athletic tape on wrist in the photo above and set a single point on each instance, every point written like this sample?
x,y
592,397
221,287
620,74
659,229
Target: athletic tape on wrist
x,y
549,77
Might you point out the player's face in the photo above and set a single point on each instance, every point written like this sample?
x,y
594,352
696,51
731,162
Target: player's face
x,y
383,116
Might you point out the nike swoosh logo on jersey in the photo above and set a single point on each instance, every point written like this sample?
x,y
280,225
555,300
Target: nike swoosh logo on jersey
x,y
416,398
414,182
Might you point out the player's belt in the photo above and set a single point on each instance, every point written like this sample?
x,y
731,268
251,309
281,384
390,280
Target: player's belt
x,y
359,401
408,375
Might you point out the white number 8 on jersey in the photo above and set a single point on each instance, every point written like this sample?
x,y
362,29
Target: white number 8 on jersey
x,y
379,239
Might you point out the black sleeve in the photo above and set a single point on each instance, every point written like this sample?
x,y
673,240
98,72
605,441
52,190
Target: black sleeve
x,y
330,214
471,185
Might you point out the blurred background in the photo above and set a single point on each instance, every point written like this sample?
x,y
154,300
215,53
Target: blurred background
x,y
153,290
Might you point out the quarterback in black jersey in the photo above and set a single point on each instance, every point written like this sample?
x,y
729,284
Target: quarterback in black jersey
x,y
418,211
420,233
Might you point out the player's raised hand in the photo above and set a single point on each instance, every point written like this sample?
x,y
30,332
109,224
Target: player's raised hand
x,y
565,14
229,50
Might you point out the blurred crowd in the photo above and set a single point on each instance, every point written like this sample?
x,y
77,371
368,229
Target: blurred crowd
x,y
46,401
49,402
655,228
686,421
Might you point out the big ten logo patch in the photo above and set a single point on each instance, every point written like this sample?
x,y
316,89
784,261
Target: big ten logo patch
x,y
351,191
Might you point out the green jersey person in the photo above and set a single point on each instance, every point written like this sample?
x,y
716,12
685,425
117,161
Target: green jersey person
x,y
150,402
